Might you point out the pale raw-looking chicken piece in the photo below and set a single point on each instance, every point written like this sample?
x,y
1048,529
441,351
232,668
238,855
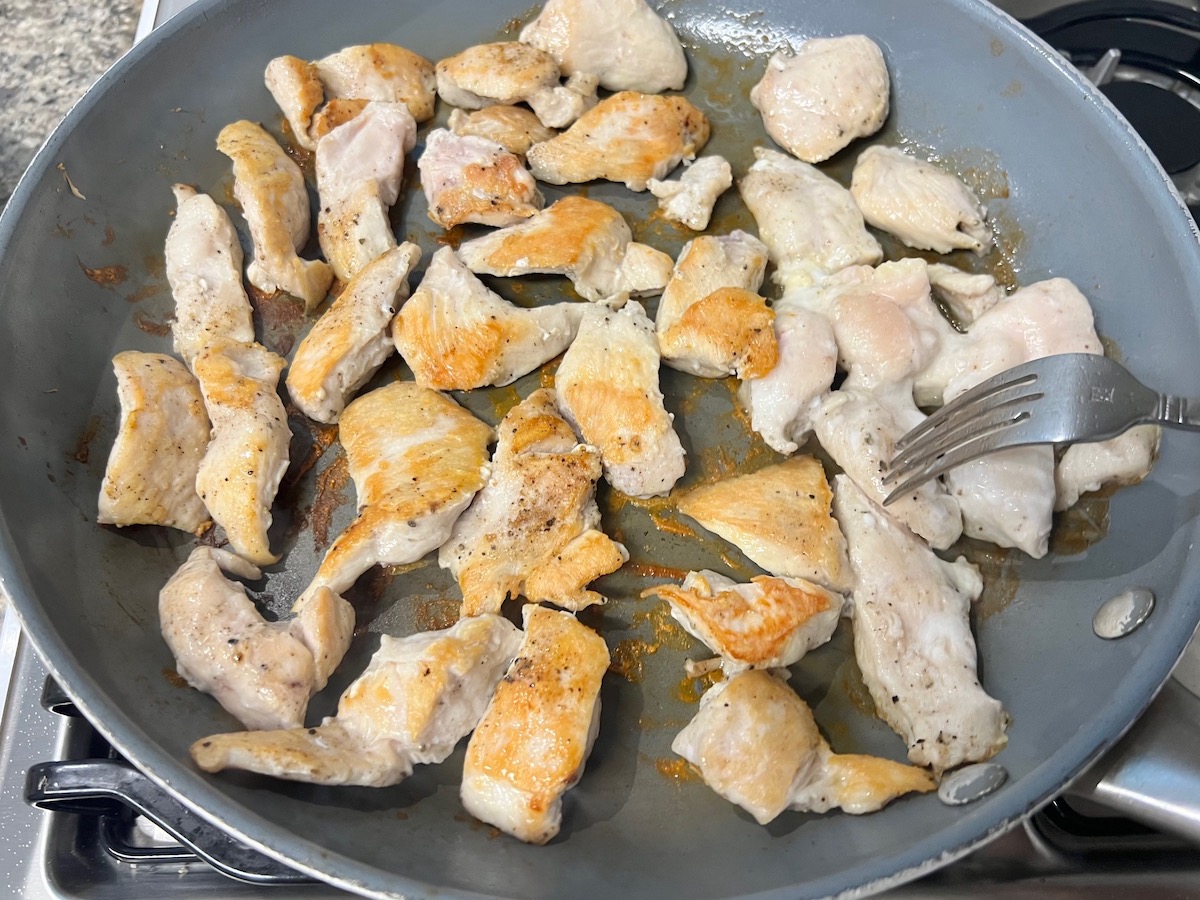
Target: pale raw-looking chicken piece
x,y
917,202
807,220
472,179
352,339
270,188
965,295
1125,459
757,744
769,623
418,697
628,137
360,166
833,91
779,517
608,390
710,320
203,260
150,478
263,673
514,128
247,455
534,530
912,638
690,199
532,743
456,335
625,43
416,459
586,240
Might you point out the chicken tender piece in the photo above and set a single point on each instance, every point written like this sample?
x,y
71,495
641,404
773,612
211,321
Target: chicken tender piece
x,y
1125,459
757,745
296,86
349,343
608,390
831,92
965,295
629,137
534,530
532,744
384,73
691,198
472,179
514,128
419,696
150,478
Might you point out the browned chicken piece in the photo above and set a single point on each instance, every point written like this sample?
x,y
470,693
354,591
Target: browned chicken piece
x,y
534,529
780,518
532,744
586,240
628,137
472,179
514,128
757,745
296,86
334,113
151,474
383,72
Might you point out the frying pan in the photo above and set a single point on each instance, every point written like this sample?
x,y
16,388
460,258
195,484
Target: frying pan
x,y
1073,192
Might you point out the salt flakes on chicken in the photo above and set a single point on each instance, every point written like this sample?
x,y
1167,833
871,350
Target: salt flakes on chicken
x,y
472,179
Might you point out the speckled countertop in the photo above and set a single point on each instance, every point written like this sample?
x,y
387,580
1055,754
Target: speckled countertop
x,y
51,51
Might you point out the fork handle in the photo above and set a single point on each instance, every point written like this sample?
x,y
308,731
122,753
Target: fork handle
x,y
1178,412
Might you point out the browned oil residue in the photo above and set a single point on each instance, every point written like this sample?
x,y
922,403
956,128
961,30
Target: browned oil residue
x,y
998,568
174,678
105,276
401,815
451,237
503,400
626,658
650,723
676,770
330,494
666,631
1013,89
1081,526
664,521
689,690
305,159
155,266
510,29
435,613
321,437
109,236
850,679
548,371
653,570
83,447
996,46
144,292
281,316
151,326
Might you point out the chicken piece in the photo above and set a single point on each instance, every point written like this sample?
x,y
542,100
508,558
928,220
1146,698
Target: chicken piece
x,y
261,672
419,696
1125,459
691,198
624,42
535,528
562,106
534,739
274,200
384,73
757,745
912,638
514,128
203,261
1007,498
779,517
710,322
348,344
360,166
472,179
247,455
766,624
831,92
585,240
965,296
628,137
416,458
917,202
150,478
807,220
608,390
296,86
455,334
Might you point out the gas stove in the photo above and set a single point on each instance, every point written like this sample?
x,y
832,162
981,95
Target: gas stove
x,y
1124,829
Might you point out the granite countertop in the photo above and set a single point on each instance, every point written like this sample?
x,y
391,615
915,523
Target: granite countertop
x,y
51,52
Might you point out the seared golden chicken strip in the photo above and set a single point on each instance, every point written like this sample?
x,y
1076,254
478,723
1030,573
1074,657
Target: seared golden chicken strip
x,y
769,623
831,92
757,745
585,240
261,672
534,529
248,453
608,390
531,745
385,73
150,478
296,86
419,696
624,42
274,200
628,137
912,638
779,517
416,458
920,204
203,260
455,334
690,199
352,339
514,128
472,179
360,167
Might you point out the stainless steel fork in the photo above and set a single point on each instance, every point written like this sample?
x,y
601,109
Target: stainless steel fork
x,y
1064,399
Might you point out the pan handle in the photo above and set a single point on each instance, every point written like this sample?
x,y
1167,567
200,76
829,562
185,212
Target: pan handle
x,y
100,786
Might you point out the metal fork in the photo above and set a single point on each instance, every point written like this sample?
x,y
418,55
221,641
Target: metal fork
x,y
1064,399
